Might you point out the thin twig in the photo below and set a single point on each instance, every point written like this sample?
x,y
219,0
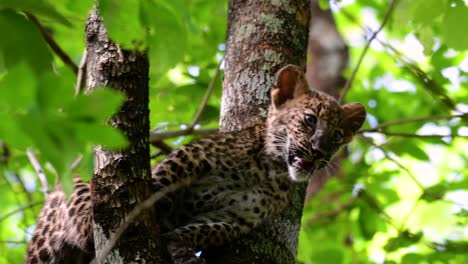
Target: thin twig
x,y
206,96
410,135
162,146
373,204
401,166
340,208
190,129
81,76
76,163
39,171
156,154
53,44
409,120
411,66
146,204
461,247
154,137
13,242
26,193
435,89
366,48
20,209
407,216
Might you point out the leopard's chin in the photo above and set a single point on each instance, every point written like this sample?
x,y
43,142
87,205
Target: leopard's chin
x,y
297,174
300,169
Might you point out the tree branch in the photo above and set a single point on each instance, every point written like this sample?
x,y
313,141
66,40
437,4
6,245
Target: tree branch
x,y
373,204
81,75
366,48
146,204
154,137
401,166
206,96
410,135
13,242
412,67
340,208
409,120
53,44
426,81
39,171
165,148
20,209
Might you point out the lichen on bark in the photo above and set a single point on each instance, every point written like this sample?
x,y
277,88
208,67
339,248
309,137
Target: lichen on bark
x,y
280,38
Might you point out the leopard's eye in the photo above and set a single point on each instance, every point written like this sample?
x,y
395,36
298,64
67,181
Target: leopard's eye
x,y
337,136
310,120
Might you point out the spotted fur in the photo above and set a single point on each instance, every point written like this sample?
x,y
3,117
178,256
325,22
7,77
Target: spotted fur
x,y
64,229
236,179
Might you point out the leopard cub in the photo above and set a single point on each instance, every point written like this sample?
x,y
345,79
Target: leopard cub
x,y
236,179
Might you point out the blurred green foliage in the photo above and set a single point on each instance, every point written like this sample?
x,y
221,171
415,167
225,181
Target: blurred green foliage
x,y
398,198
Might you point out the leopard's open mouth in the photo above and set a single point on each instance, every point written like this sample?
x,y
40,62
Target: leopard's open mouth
x,y
296,160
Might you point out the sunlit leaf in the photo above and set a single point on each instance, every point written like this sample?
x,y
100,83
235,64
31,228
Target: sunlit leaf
x,y
123,23
168,35
454,32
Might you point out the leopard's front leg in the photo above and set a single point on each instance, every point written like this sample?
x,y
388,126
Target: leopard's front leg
x,y
243,211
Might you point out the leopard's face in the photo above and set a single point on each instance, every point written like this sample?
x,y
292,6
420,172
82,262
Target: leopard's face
x,y
305,128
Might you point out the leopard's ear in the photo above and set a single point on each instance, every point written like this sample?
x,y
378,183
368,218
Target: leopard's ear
x,y
354,115
290,83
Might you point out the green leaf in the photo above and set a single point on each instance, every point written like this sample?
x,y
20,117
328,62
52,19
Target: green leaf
x,y
99,105
410,147
324,4
402,14
55,91
454,26
168,37
17,93
435,192
426,11
405,239
36,7
368,221
329,256
426,37
123,22
413,258
462,213
16,47
105,135
12,133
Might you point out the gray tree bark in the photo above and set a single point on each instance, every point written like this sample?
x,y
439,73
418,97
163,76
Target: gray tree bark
x,y
263,36
122,178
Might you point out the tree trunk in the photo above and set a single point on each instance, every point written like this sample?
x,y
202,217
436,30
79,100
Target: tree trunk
x,y
328,52
263,36
122,178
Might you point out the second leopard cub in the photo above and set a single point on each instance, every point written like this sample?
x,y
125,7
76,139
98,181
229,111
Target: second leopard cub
x,y
239,179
